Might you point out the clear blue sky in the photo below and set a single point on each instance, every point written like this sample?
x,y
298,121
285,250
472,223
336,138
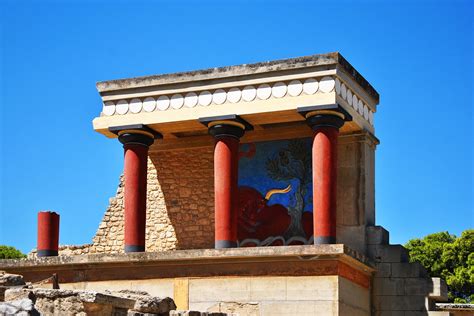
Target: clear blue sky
x,y
418,55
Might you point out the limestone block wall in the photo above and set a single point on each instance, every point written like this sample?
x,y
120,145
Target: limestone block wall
x,y
398,286
355,188
252,296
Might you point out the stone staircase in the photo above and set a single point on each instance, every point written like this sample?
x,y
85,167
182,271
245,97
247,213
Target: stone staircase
x,y
401,288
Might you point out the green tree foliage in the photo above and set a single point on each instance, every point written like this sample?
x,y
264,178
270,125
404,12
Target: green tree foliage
x,y
448,257
8,252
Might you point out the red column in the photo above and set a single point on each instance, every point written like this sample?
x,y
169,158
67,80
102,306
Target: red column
x,y
324,184
226,164
48,234
225,188
135,174
136,142
325,124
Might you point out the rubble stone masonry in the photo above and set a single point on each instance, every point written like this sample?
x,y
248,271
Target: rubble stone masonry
x,y
180,204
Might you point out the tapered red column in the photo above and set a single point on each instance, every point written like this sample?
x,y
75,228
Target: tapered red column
x,y
325,125
226,162
135,144
48,234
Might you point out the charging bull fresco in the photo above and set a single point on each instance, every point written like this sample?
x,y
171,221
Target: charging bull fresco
x,y
275,193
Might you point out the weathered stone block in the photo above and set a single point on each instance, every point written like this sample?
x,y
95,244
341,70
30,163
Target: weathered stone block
x,y
8,279
320,308
219,290
312,288
21,306
388,253
267,289
439,290
383,270
417,286
353,296
377,235
352,236
388,286
399,303
408,270
235,308
13,294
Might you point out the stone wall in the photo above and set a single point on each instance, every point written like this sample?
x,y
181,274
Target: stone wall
x,y
180,204
398,286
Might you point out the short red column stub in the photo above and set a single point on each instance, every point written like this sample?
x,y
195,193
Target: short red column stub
x,y
48,234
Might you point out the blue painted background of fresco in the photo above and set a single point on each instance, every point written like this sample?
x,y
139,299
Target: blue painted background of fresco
x,y
253,172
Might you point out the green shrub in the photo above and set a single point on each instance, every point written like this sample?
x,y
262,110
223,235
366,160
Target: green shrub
x,y
8,252
448,257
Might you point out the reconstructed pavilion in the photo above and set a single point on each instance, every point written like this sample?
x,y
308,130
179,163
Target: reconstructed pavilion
x,y
246,188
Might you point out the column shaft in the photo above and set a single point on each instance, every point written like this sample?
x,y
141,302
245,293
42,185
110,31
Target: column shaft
x,y
225,187
135,173
325,184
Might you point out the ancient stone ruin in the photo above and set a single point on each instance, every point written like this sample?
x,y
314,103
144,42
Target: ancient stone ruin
x,y
247,190
20,298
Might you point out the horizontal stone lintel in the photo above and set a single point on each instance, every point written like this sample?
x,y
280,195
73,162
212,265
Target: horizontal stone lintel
x,y
259,261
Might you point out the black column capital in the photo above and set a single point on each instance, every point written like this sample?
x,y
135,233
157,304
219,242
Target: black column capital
x,y
226,128
228,125
138,134
332,115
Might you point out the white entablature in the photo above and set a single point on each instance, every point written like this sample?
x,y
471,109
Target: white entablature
x,y
263,94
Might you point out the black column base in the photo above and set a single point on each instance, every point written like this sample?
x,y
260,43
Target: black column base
x,y
134,248
222,244
46,253
324,240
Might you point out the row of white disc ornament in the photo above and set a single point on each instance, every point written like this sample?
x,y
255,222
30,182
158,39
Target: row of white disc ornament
x,y
220,96
354,101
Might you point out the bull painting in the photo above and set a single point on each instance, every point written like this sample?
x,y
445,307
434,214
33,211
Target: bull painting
x,y
274,201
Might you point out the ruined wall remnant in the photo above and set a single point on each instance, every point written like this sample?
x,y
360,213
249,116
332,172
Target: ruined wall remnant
x,y
180,204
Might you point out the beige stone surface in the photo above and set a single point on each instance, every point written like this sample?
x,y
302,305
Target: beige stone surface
x,y
353,297
296,308
324,288
316,295
155,287
235,308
